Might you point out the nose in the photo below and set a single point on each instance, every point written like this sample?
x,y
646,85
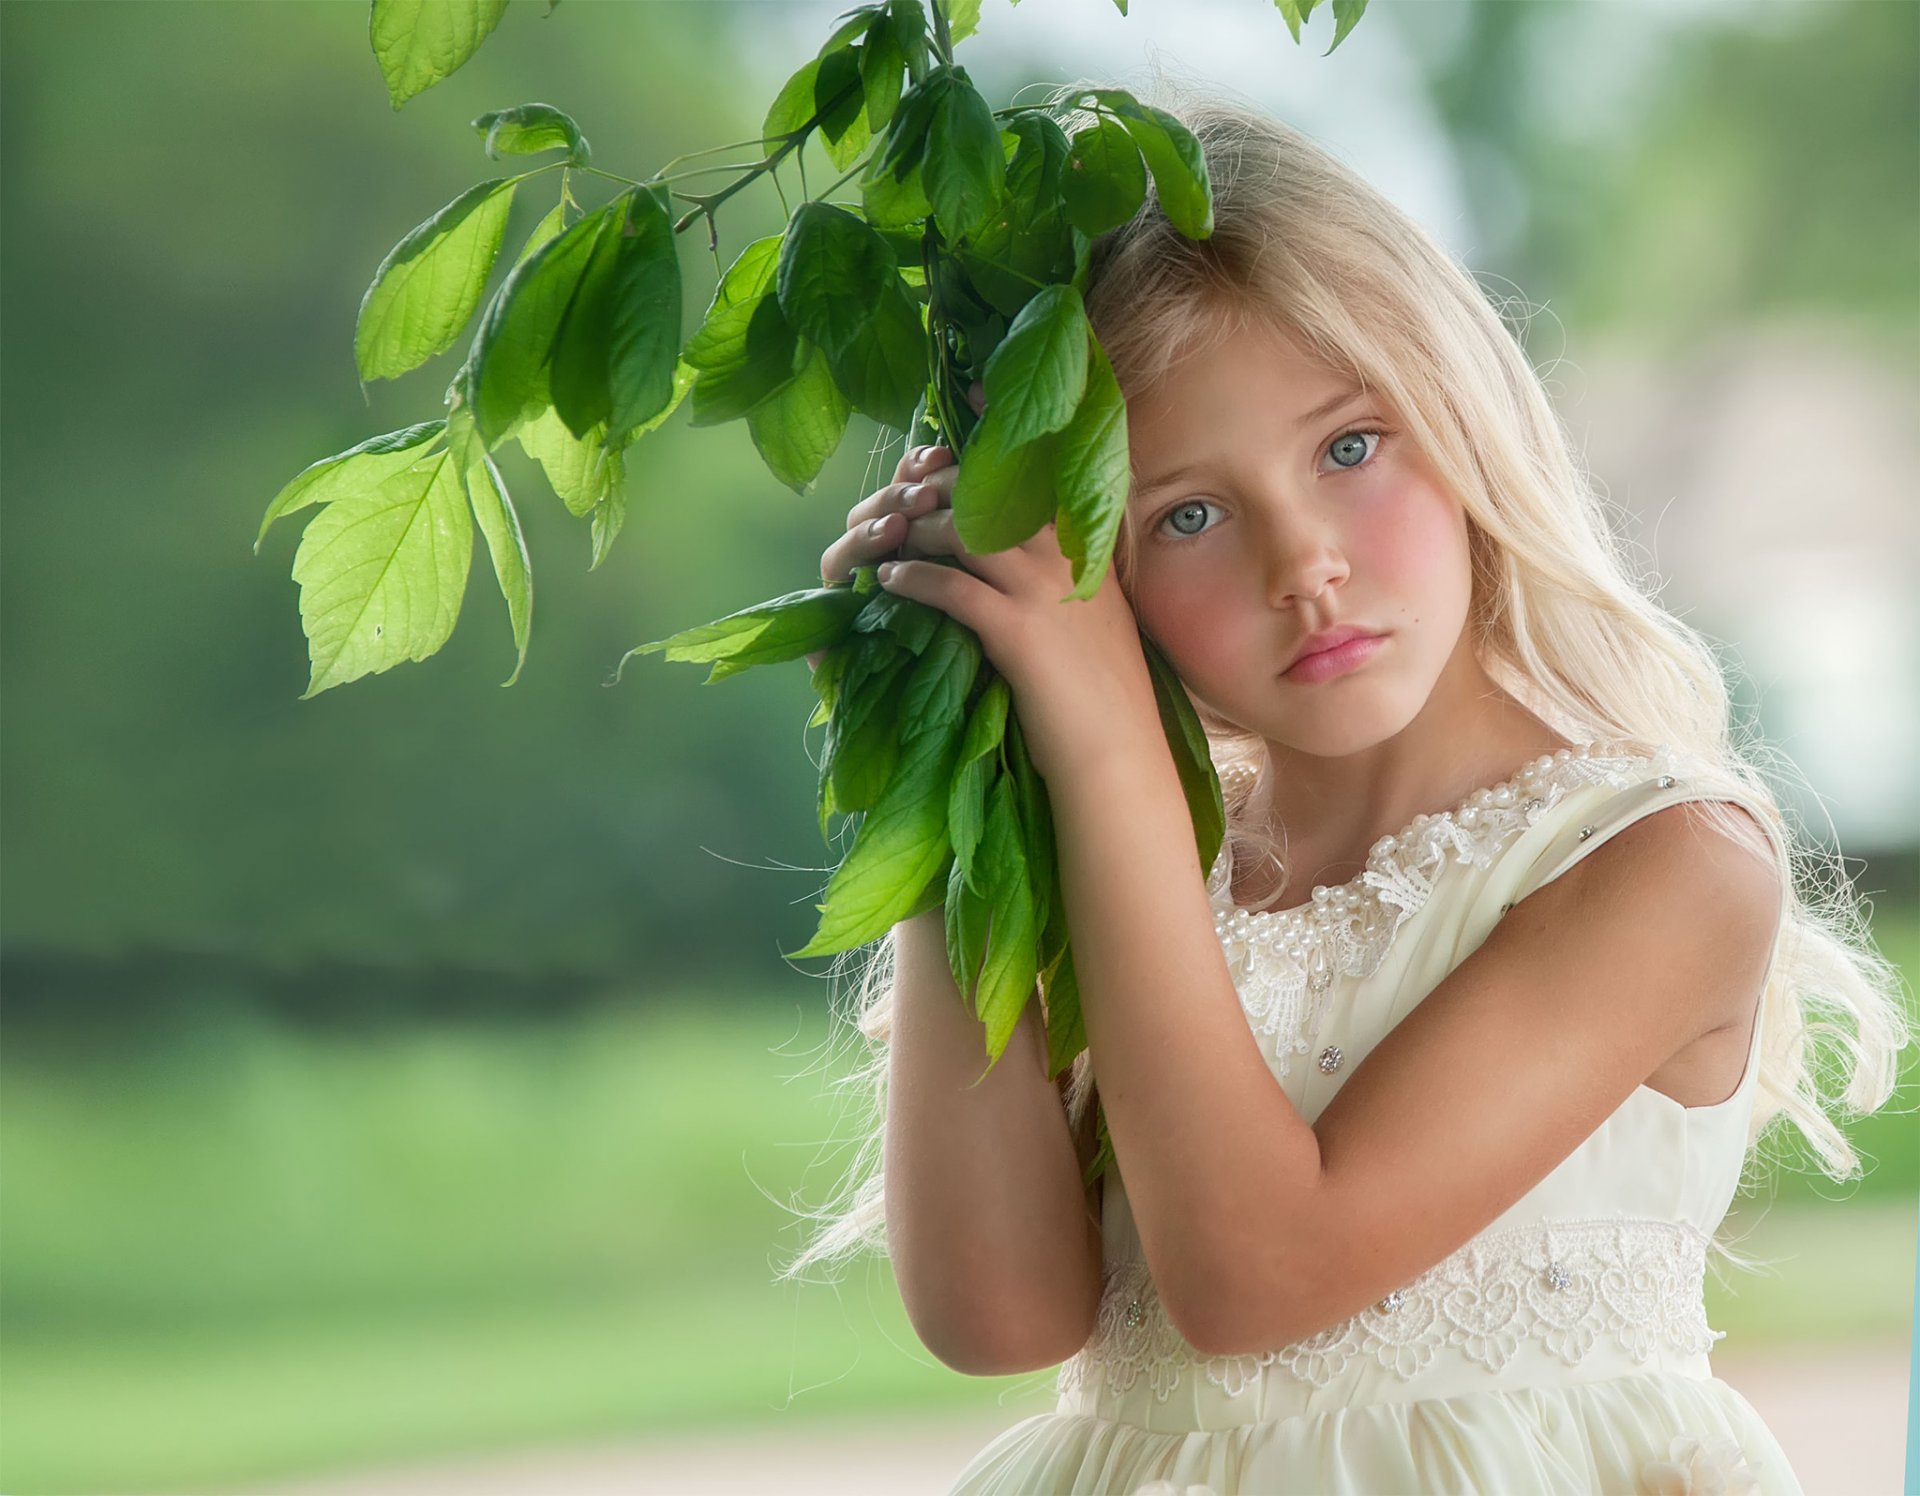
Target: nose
x,y
1303,558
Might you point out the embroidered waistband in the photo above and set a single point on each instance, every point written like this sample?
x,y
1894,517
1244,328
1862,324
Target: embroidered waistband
x,y
1566,1285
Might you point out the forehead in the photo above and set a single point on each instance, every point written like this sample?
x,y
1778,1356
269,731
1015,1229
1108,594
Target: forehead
x,y
1255,367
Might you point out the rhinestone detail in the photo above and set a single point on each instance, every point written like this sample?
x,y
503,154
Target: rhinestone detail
x,y
1285,962
1330,1059
1564,1285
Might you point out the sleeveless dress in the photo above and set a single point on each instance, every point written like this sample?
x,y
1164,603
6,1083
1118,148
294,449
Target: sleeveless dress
x,y
1563,1350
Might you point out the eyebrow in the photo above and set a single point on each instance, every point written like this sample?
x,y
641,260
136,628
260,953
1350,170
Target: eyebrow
x,y
1340,398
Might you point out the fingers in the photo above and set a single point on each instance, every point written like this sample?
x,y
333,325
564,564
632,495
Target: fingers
x,y
895,516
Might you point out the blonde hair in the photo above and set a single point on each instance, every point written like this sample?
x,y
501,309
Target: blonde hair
x,y
1559,618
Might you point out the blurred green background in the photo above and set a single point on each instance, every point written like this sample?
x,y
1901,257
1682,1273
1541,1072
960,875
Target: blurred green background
x,y
414,1069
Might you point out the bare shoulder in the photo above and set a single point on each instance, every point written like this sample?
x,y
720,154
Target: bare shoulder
x,y
1682,892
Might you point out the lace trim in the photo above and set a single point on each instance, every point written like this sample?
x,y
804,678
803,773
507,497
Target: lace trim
x,y
1285,961
1564,1285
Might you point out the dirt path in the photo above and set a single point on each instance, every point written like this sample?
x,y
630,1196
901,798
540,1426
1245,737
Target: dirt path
x,y
1841,1416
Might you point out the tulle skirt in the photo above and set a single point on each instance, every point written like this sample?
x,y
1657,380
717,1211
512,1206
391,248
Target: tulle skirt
x,y
1654,1434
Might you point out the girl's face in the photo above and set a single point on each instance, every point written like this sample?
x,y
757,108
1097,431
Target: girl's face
x,y
1270,508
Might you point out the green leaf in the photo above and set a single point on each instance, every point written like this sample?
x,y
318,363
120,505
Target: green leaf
x,y
1036,376
963,19
884,369
604,523
721,337
891,204
1036,815
745,349
912,624
1188,740
825,90
964,171
862,744
1066,1027
967,917
419,42
493,512
833,269
901,842
528,128
1106,179
581,470
1092,476
381,572
643,318
1011,965
1028,242
546,229
840,99
785,628
937,692
1003,494
967,796
429,284
910,32
798,426
1175,157
906,144
515,341
881,64
1346,15
577,364
353,471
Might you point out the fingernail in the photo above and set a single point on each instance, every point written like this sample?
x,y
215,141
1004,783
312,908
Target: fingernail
x,y
878,527
886,570
912,494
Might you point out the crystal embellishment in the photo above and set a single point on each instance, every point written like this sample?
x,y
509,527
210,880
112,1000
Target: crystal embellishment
x,y
1330,1059
1566,1286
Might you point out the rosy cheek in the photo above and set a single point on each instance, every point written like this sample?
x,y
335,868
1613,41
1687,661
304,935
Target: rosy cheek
x,y
1408,546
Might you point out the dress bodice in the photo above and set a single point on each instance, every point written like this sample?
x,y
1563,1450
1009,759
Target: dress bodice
x,y
1597,1271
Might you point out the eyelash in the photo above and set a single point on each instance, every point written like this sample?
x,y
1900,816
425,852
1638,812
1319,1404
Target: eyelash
x,y
1172,509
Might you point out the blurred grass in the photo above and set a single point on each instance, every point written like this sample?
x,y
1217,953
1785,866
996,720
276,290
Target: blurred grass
x,y
250,1252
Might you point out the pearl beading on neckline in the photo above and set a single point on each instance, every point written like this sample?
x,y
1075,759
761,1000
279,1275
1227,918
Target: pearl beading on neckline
x,y
1285,961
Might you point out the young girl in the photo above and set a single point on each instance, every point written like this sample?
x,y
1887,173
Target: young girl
x,y
1427,1099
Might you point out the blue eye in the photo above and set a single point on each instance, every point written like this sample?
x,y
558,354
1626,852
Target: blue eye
x,y
1187,507
1347,440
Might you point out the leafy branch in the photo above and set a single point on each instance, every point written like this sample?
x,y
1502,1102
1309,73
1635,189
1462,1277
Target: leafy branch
x,y
966,259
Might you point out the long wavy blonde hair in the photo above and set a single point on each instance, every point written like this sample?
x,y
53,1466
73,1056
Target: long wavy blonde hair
x,y
1560,618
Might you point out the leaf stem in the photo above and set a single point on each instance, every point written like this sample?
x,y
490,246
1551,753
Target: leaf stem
x,y
942,38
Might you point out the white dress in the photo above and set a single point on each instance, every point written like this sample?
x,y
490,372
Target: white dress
x,y
1563,1350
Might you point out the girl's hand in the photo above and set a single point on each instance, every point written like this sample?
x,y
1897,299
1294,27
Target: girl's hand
x,y
1079,677
905,518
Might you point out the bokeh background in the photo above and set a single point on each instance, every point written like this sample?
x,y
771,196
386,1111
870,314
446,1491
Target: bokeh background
x,y
412,1075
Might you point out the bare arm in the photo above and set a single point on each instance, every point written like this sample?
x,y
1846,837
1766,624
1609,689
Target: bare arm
x,y
995,1245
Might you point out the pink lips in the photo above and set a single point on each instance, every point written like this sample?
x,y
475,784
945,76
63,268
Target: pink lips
x,y
1325,664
